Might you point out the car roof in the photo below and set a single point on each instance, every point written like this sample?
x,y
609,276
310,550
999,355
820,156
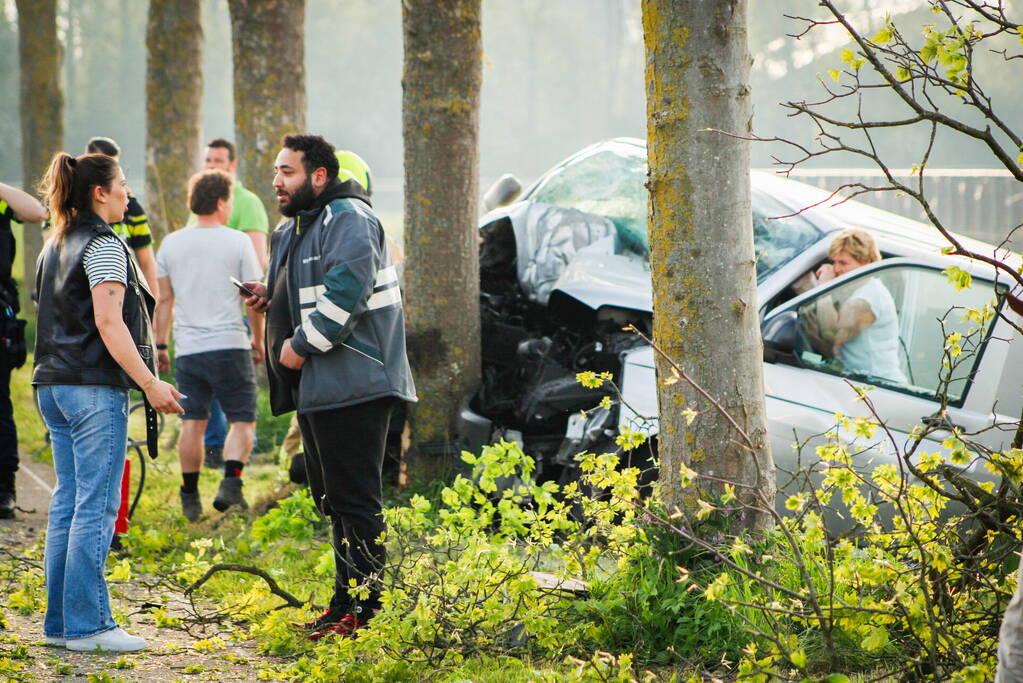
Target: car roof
x,y
832,213
828,213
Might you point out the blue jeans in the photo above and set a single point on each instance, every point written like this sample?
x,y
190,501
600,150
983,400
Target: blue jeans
x,y
216,428
89,431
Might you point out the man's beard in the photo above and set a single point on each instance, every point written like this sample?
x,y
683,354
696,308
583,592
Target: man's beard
x,y
301,200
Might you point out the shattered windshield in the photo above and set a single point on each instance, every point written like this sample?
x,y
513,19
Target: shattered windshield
x,y
609,180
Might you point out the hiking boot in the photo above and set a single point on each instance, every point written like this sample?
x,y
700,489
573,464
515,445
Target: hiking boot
x,y
8,496
191,506
230,493
296,471
214,458
345,628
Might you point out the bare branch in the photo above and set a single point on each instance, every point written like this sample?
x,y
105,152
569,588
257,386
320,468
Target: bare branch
x,y
985,135
290,600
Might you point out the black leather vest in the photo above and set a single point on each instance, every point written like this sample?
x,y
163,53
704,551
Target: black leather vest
x,y
69,349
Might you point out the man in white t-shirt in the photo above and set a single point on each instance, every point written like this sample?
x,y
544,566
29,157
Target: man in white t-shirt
x,y
213,351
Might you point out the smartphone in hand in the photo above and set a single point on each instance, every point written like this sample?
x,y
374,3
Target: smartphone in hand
x,y
242,287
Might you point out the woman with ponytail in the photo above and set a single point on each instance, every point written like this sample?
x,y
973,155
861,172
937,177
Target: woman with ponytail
x,y
93,344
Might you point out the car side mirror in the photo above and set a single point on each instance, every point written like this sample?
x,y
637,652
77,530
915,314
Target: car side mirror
x,y
503,192
779,335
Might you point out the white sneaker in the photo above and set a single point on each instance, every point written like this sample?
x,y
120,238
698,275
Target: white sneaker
x,y
54,641
114,640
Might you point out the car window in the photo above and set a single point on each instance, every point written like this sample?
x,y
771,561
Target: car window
x,y
778,240
890,327
608,181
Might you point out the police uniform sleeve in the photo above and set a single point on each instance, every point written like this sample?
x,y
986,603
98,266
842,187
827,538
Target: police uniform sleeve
x,y
137,233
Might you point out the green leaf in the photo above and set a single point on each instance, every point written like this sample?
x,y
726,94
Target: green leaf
x,y
959,278
883,36
121,571
716,587
796,501
876,638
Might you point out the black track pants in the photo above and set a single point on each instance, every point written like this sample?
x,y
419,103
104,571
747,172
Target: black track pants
x,y
344,454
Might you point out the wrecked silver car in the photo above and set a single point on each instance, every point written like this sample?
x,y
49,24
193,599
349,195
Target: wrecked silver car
x,y
565,267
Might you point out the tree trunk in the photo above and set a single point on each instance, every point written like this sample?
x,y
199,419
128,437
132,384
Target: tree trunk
x,y
701,246
42,112
173,109
441,85
268,42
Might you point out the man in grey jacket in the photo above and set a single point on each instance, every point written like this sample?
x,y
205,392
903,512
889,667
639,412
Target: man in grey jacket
x,y
335,332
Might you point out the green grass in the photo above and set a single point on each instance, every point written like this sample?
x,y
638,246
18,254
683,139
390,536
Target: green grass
x,y
31,431
295,550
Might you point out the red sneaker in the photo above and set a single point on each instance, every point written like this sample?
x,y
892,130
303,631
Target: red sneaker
x,y
346,627
328,617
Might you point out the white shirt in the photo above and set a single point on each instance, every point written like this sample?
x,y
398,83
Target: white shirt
x,y
200,263
875,350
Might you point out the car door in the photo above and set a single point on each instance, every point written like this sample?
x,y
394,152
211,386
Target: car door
x,y
903,365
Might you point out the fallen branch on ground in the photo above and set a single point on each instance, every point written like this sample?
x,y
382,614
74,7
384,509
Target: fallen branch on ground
x,y
291,600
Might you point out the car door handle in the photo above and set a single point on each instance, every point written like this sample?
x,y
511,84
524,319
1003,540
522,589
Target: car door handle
x,y
939,421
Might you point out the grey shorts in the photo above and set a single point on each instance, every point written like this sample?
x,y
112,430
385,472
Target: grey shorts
x,y
227,375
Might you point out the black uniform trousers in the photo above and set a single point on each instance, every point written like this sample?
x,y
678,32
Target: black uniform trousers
x,y
344,456
8,432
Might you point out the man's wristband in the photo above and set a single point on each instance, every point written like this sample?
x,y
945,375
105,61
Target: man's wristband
x,y
161,347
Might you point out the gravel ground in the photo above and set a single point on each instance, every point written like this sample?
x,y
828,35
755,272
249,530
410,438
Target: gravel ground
x,y
172,654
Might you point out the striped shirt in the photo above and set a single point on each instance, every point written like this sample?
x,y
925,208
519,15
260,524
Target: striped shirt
x,y
105,261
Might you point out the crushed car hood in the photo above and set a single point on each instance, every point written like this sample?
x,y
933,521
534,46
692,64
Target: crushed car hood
x,y
547,239
606,279
577,253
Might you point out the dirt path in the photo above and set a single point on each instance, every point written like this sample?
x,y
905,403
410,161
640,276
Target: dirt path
x,y
172,654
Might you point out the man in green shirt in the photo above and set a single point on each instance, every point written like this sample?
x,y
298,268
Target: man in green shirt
x,y
249,215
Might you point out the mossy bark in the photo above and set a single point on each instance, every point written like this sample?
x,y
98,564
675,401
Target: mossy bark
x,y
268,43
173,109
42,112
701,243
440,105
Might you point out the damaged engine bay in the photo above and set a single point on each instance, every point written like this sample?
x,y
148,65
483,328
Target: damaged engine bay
x,y
544,319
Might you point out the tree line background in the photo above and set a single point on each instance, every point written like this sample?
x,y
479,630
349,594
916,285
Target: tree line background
x,y
556,77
